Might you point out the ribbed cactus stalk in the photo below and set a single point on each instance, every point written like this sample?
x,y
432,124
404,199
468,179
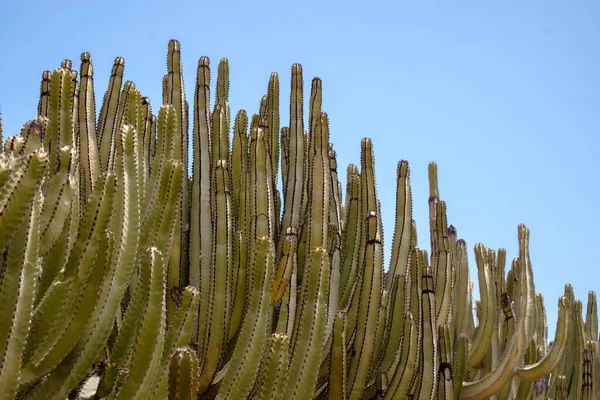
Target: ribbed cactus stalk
x,y
255,275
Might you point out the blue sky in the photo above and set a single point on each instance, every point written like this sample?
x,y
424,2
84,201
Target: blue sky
x,y
503,95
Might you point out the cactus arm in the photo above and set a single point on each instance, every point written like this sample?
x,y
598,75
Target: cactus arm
x,y
463,309
286,265
245,361
549,362
130,326
524,386
402,231
352,238
88,143
220,139
578,367
183,375
108,113
430,353
60,341
218,321
415,307
74,324
287,308
442,267
261,198
485,329
43,103
147,350
274,368
505,370
402,373
285,157
57,202
240,261
17,291
18,193
60,127
459,363
200,230
55,314
445,384
239,157
5,170
319,187
308,336
295,172
591,318
179,333
75,366
339,364
395,322
443,292
362,364
156,229
176,97
273,123
164,150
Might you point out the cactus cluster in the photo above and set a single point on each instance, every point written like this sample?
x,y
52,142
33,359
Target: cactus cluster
x,y
123,278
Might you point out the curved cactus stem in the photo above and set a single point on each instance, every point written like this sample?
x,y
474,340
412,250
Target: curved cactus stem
x,y
57,203
524,387
76,323
309,328
146,353
87,139
550,361
494,381
485,329
398,379
17,291
245,361
18,193
395,321
56,311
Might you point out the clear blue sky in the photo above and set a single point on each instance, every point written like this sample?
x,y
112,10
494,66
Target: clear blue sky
x,y
503,95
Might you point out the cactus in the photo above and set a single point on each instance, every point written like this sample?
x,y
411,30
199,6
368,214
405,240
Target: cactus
x,y
123,277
